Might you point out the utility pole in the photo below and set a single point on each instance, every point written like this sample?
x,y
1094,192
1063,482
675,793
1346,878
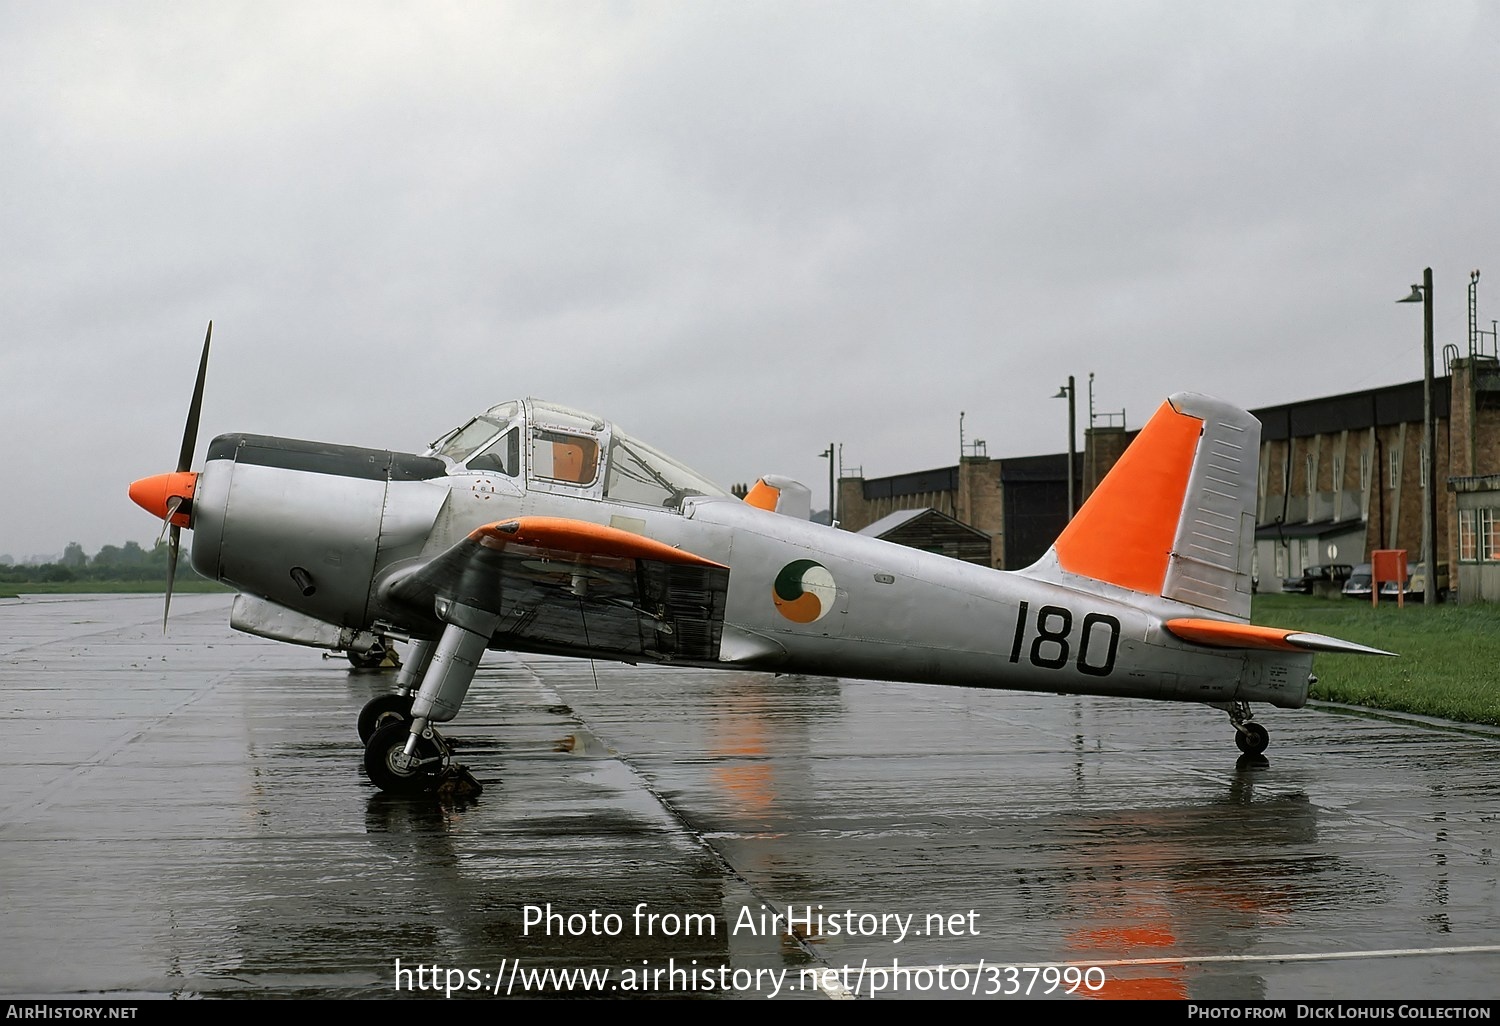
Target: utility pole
x,y
829,453
1071,391
1429,443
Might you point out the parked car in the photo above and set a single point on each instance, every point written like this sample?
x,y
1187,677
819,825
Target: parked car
x,y
1359,582
1324,573
1416,583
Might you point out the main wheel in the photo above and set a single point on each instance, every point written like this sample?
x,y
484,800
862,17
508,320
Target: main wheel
x,y
380,760
1252,738
380,711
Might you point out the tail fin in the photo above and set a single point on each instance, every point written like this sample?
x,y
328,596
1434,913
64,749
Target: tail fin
x,y
777,494
1175,517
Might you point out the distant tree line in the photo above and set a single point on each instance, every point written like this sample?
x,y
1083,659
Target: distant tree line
x,y
128,562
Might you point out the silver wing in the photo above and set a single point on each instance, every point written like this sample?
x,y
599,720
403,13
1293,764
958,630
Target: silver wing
x,y
576,588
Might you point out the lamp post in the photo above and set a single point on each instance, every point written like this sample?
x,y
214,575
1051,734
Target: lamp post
x,y
828,452
1091,478
1070,393
1423,293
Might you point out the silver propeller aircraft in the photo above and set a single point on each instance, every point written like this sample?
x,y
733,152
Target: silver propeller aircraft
x,y
538,528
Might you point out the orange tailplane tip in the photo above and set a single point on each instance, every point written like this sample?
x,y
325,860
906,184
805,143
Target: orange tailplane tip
x,y
1220,634
1223,634
154,494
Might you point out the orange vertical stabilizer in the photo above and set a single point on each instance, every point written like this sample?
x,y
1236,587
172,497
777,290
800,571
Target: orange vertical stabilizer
x,y
1124,533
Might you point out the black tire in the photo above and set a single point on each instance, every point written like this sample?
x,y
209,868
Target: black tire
x,y
1252,738
380,711
387,743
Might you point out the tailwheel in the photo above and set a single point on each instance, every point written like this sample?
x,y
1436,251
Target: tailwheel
x,y
379,655
388,768
1251,737
383,710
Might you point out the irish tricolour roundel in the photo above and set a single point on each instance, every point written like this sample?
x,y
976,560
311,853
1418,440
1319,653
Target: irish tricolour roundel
x,y
804,591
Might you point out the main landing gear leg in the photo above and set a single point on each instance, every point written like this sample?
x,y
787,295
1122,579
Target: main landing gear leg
x,y
1250,736
384,709
417,662
408,758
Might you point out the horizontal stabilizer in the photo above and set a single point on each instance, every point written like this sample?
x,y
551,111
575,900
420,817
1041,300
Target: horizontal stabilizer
x,y
1225,634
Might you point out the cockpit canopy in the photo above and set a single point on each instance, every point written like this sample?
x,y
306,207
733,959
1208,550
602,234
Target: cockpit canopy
x,y
557,449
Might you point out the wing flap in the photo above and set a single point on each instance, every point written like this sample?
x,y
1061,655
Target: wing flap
x,y
580,588
1226,634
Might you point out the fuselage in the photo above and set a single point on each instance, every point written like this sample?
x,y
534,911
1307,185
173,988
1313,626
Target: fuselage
x,y
322,529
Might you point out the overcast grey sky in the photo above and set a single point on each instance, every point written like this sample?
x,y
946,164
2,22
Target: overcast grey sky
x,y
740,230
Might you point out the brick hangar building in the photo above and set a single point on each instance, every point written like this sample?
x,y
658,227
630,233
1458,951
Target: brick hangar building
x,y
1340,476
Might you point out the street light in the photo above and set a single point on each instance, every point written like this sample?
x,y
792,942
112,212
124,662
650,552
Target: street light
x,y
828,452
1070,393
1423,294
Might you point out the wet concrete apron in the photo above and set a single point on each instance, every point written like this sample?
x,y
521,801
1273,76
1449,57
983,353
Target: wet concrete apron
x,y
188,816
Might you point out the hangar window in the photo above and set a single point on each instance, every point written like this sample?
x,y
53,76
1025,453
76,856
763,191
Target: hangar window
x,y
1479,535
1466,539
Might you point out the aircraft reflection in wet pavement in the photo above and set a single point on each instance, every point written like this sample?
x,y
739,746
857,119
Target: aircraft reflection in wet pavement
x,y
539,528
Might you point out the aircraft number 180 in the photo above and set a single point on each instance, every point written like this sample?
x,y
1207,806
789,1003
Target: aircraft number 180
x,y
1052,641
